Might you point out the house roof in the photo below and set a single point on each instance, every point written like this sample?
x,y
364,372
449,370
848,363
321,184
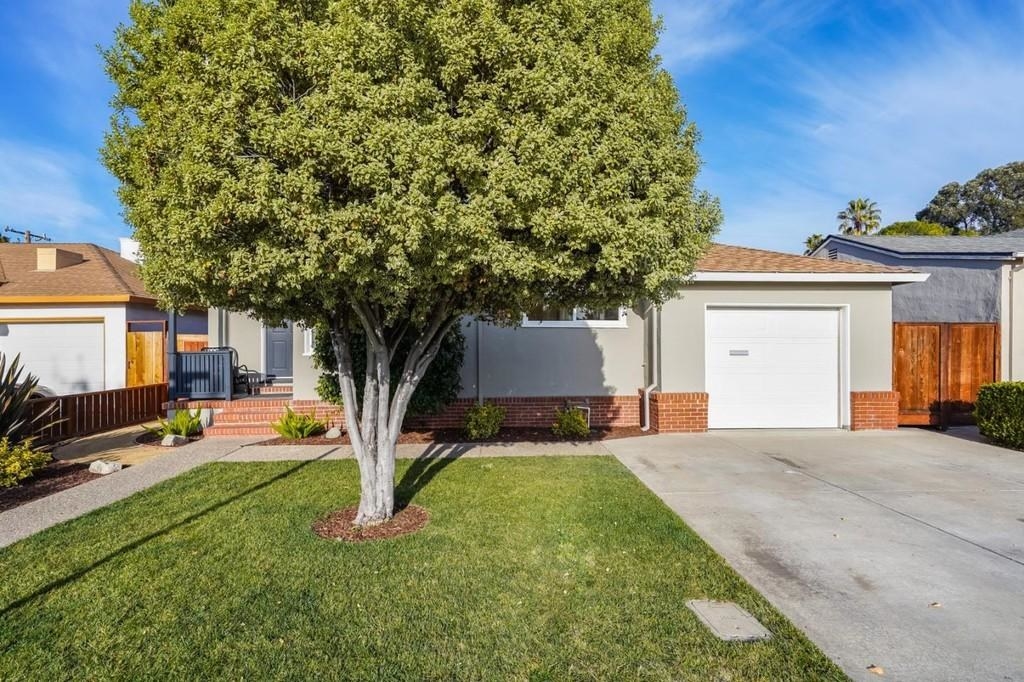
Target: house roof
x,y
1004,245
738,263
102,277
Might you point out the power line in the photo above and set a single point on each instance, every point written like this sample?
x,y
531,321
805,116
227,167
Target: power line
x,y
28,236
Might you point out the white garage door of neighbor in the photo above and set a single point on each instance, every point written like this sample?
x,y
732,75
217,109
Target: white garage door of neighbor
x,y
67,357
773,368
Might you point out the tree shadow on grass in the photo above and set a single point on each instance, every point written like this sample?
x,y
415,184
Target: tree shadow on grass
x,y
425,468
135,544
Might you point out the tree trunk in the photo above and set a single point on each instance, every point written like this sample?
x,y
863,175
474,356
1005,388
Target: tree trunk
x,y
375,425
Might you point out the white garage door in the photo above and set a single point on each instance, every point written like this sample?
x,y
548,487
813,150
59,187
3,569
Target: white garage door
x,y
773,368
67,357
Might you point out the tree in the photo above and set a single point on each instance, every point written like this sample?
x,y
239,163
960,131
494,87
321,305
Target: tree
x,y
861,216
385,168
914,228
812,243
439,387
992,202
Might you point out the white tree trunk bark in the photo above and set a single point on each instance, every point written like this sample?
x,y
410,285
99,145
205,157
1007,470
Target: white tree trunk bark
x,y
374,427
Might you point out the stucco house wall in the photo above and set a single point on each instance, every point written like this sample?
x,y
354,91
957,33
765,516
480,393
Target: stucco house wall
x,y
241,332
530,362
870,327
958,290
114,331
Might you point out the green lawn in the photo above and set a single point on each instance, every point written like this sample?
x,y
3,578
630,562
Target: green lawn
x,y
534,568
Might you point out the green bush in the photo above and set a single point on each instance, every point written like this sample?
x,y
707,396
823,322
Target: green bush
x,y
571,423
437,390
999,411
183,423
298,426
19,461
484,421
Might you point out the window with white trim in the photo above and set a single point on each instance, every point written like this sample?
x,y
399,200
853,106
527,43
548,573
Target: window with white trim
x,y
307,343
595,318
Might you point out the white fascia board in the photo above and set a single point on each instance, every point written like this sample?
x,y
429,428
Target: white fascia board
x,y
812,277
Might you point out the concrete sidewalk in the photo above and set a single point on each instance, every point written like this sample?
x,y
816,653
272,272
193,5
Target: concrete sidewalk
x,y
28,519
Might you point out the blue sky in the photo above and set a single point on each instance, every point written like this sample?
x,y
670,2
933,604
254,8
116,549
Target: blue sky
x,y
802,104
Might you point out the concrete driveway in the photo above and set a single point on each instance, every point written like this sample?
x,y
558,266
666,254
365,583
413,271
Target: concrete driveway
x,y
903,550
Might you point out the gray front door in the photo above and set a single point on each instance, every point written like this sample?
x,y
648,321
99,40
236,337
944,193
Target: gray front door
x,y
279,352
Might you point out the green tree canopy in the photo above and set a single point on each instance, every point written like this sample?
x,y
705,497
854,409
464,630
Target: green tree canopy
x,y
861,216
390,166
914,227
992,202
812,243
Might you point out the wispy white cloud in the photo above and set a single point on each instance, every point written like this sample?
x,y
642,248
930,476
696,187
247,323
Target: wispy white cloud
x,y
699,30
894,123
40,190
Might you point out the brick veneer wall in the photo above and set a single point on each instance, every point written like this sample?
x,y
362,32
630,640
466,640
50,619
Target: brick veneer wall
x,y
679,412
874,410
540,412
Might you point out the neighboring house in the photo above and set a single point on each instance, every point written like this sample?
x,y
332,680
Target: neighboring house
x,y
961,328
69,310
759,339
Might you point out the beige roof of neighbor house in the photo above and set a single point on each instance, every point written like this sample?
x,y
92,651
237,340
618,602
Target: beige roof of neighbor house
x,y
723,258
101,276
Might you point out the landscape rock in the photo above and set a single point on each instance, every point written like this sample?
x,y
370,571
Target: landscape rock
x,y
333,433
104,467
173,441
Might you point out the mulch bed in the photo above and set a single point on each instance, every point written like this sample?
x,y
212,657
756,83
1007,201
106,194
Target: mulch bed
x,y
153,440
506,435
53,478
340,525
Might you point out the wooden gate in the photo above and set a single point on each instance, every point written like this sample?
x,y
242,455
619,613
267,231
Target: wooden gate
x,y
938,369
146,358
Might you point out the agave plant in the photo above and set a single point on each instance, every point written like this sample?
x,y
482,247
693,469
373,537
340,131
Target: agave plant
x,y
17,421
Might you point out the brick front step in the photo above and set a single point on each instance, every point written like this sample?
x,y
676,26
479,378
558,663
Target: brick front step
x,y
273,389
240,430
230,417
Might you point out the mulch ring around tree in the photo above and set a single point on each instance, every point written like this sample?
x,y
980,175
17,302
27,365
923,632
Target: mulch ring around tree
x,y
506,435
53,478
340,525
153,439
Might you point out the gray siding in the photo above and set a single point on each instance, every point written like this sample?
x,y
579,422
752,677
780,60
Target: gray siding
x,y
192,322
532,362
957,291
241,332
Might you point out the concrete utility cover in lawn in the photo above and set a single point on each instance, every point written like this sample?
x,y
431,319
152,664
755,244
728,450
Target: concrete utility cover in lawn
x,y
728,621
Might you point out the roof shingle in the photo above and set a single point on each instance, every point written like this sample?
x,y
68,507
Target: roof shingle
x,y
724,258
102,272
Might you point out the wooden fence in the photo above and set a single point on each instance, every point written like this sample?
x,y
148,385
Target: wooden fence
x,y
147,355
84,414
938,369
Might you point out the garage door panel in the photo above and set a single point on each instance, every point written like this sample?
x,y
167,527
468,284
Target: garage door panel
x,y
67,357
772,368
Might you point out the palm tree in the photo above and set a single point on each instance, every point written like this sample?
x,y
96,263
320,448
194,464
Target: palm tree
x,y
812,242
861,216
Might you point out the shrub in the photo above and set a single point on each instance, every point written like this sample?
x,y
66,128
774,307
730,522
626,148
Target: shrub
x,y
1000,413
439,387
183,423
484,421
298,426
571,423
16,420
18,461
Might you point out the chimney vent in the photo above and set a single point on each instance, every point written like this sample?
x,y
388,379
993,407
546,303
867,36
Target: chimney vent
x,y
51,259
